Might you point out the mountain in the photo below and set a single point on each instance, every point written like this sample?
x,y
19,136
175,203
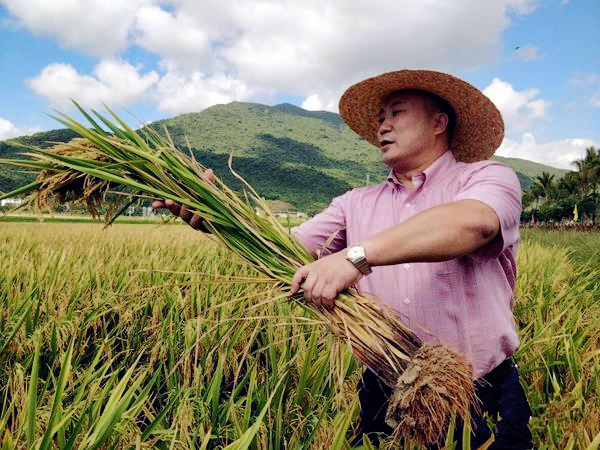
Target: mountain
x,y
285,152
527,170
12,177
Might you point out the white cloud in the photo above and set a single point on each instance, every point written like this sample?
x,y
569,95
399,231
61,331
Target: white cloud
x,y
315,102
523,6
559,153
302,48
179,93
179,40
519,108
9,130
343,42
98,27
116,83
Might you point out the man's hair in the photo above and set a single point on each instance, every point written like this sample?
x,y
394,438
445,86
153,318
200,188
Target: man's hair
x,y
434,103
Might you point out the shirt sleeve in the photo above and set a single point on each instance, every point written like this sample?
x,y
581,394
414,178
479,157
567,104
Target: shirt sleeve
x,y
497,186
325,233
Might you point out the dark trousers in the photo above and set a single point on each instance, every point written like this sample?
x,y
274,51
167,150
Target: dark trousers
x,y
501,396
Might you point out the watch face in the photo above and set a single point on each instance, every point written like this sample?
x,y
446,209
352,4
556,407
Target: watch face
x,y
355,252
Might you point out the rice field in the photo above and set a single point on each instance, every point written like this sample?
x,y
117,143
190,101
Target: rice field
x,y
583,247
140,336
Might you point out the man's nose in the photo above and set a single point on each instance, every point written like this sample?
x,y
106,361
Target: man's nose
x,y
384,126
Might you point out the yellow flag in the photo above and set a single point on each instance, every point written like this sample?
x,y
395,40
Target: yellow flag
x,y
575,215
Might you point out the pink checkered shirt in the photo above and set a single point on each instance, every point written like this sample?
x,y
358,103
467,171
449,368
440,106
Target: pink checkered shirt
x,y
464,302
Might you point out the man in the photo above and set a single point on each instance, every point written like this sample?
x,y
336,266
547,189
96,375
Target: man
x,y
435,242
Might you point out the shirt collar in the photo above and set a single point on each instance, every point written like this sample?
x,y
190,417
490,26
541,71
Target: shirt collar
x,y
433,171
440,165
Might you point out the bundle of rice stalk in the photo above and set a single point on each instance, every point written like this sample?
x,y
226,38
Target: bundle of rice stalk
x,y
430,382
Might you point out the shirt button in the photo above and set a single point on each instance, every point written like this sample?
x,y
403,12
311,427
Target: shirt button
x,y
408,205
406,301
406,266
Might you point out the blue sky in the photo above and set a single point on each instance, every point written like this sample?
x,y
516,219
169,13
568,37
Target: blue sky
x,y
539,61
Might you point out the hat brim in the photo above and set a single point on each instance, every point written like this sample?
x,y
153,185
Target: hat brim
x,y
479,126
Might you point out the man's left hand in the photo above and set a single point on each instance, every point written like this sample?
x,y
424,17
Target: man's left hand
x,y
325,278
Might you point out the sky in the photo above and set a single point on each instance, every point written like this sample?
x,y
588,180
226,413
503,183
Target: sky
x,y
537,60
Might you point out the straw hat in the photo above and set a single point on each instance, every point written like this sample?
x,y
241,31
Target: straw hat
x,y
479,127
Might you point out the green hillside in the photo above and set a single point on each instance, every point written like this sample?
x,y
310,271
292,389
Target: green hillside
x,y
528,170
287,153
11,177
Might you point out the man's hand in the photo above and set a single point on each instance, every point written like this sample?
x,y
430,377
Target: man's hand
x,y
325,278
182,211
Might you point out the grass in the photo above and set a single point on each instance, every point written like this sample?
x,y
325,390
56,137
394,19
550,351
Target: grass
x,y
57,218
287,222
583,247
153,337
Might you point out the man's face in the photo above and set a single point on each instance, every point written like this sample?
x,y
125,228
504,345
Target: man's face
x,y
407,132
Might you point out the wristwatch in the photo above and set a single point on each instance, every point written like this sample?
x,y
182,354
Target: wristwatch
x,y
356,255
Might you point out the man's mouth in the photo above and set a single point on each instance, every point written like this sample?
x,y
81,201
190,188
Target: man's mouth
x,y
385,142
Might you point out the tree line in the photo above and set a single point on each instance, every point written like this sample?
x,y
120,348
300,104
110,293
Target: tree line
x,y
571,198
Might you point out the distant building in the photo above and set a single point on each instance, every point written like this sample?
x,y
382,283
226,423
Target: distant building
x,y
283,210
11,202
279,206
148,212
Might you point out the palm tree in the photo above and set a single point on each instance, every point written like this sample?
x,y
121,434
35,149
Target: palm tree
x,y
589,171
532,195
589,167
544,183
569,186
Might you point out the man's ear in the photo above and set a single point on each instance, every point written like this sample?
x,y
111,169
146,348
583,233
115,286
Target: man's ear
x,y
441,122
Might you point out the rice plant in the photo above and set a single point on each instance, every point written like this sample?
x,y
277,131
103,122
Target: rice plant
x,y
121,338
557,309
119,348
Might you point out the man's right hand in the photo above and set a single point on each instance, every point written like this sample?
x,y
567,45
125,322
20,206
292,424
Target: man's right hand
x,y
323,279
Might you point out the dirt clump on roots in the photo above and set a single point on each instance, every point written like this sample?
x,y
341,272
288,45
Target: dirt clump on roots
x,y
437,383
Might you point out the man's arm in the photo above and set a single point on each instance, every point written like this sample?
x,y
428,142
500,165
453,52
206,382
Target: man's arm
x,y
440,233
